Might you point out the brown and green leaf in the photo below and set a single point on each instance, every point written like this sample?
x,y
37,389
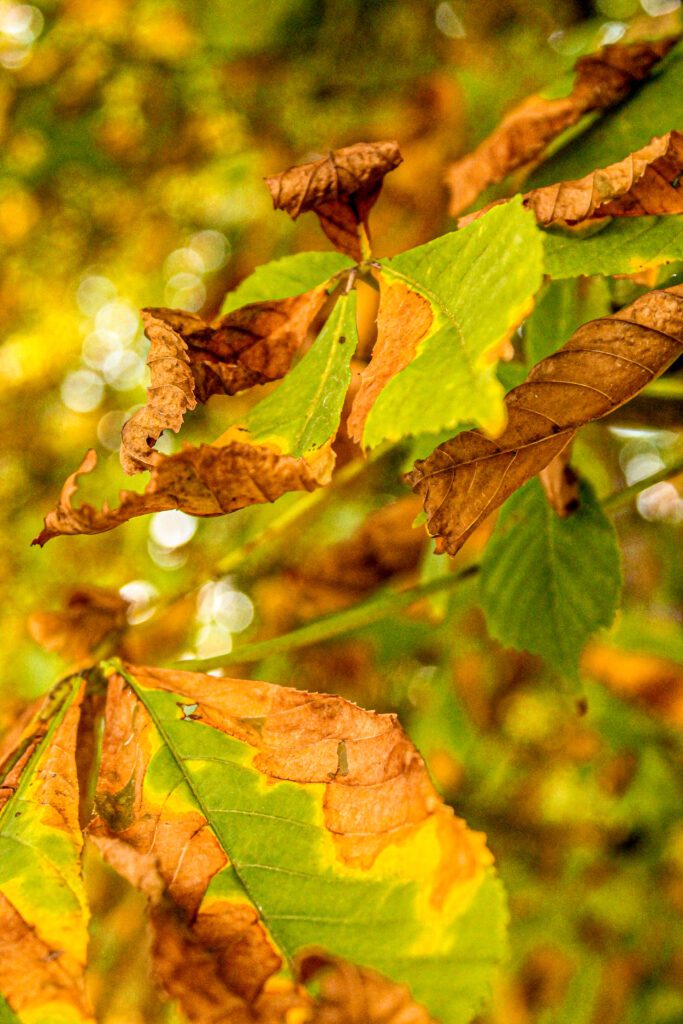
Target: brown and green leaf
x,y
604,364
602,79
191,360
43,913
341,188
264,823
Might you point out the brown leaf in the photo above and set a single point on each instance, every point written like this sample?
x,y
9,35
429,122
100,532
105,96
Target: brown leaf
x,y
92,614
341,188
647,182
604,364
191,360
169,395
204,481
561,484
357,995
602,79
404,319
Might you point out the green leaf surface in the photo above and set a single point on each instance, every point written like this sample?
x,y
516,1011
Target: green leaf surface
x,y
479,282
42,899
262,766
7,1014
304,411
547,583
560,309
656,108
625,246
282,279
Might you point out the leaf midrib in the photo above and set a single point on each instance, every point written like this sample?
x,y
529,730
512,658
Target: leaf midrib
x,y
180,763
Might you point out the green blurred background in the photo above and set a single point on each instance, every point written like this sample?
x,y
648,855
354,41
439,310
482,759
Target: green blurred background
x,y
135,137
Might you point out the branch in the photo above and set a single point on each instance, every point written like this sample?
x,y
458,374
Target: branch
x,y
387,602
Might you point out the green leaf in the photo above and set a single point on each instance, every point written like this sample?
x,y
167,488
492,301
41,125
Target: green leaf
x,y
43,909
303,412
7,1015
655,109
548,583
282,279
560,309
479,283
624,246
327,824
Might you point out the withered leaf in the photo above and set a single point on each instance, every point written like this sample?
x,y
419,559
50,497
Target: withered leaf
x,y
602,79
604,364
647,182
269,815
341,188
92,614
355,995
191,360
204,481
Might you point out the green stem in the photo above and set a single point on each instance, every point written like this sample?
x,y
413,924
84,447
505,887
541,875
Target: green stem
x,y
379,606
665,387
388,602
620,498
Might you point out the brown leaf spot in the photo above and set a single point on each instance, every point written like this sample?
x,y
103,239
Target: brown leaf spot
x,y
357,995
403,321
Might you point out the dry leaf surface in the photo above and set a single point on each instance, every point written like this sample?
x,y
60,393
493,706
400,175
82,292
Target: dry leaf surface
x,y
604,364
355,995
203,481
647,182
341,189
602,79
92,614
191,360
561,484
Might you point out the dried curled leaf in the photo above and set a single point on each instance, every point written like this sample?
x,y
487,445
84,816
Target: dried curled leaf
x,y
191,360
602,79
91,616
262,821
647,182
355,995
43,911
204,481
341,189
604,364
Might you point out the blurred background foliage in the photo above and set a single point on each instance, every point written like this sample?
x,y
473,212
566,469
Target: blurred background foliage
x,y
135,136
